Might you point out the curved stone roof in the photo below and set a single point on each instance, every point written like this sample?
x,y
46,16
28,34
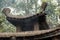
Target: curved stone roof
x,y
44,33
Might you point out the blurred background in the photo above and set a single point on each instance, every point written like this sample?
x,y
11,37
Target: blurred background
x,y
25,7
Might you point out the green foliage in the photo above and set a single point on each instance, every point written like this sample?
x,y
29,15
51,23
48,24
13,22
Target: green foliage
x,y
5,26
53,13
